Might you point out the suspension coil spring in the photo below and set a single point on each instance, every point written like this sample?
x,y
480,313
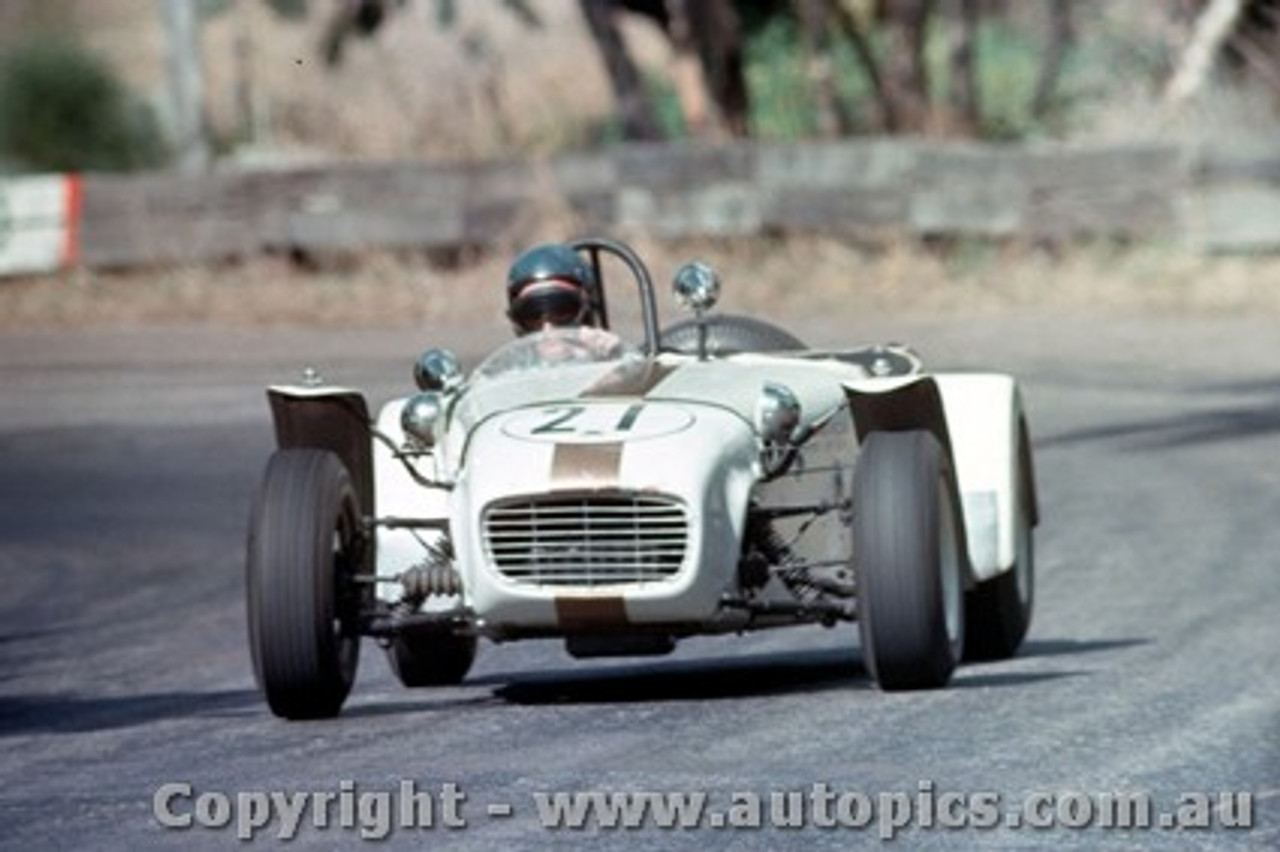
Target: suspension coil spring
x,y
430,578
435,575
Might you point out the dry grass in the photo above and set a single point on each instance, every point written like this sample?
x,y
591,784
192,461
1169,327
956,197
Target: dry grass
x,y
799,279
486,87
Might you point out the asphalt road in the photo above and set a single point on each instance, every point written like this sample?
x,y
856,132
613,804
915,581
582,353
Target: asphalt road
x,y
1152,671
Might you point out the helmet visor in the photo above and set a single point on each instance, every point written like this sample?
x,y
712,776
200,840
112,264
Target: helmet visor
x,y
555,303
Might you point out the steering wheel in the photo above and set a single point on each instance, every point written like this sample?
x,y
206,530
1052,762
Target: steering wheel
x,y
594,247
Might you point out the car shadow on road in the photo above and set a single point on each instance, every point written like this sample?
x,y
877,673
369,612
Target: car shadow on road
x,y
989,674
709,678
435,699
1177,430
703,679
1067,647
756,675
70,713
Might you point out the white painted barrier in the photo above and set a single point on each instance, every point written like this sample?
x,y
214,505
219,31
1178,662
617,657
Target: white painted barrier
x,y
39,223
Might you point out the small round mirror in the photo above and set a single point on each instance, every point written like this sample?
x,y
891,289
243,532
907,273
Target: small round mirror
x,y
437,370
697,286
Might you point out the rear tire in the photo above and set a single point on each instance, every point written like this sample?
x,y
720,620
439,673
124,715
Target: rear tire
x,y
439,660
999,610
304,606
908,561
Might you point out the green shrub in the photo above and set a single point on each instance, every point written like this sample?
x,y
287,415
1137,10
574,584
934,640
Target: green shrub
x,y
61,109
783,106
1008,66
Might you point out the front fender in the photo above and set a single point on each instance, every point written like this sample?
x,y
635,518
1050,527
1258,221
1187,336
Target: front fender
x,y
979,420
897,405
911,403
327,418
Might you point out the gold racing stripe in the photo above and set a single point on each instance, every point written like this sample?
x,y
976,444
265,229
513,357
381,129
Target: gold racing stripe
x,y
598,465
594,465
585,614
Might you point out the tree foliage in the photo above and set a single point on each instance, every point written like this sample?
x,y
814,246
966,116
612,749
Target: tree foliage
x,y
61,109
981,68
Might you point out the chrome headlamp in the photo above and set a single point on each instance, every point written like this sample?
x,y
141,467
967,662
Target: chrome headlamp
x,y
419,417
778,425
777,413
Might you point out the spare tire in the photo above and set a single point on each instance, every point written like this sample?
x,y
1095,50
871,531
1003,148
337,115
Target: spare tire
x,y
728,334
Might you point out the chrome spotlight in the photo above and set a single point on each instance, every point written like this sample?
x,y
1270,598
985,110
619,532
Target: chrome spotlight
x,y
437,370
697,286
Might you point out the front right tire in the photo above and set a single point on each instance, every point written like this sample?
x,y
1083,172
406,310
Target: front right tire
x,y
908,561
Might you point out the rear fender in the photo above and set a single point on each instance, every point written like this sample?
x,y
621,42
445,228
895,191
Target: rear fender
x,y
978,418
993,463
327,418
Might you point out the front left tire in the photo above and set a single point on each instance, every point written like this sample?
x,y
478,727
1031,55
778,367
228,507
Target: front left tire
x,y
305,549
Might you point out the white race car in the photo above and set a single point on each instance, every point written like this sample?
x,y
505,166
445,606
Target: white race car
x,y
717,478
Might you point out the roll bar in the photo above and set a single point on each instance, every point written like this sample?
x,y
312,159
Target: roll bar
x,y
594,246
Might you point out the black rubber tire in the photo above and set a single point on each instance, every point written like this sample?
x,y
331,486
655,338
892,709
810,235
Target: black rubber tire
x,y
439,660
998,611
303,606
729,334
908,561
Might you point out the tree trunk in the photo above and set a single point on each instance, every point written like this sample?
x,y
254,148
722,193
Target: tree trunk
x,y
1213,28
1254,47
186,84
248,103
906,82
866,56
964,78
691,83
1058,39
815,24
710,33
635,107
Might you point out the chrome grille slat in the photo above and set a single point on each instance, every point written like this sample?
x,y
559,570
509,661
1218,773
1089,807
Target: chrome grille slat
x,y
586,540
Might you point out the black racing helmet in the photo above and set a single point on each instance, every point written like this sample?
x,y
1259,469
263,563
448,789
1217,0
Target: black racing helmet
x,y
548,284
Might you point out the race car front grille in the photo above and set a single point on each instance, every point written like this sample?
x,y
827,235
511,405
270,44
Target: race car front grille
x,y
591,540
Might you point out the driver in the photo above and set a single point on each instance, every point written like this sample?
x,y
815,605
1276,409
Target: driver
x,y
548,287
